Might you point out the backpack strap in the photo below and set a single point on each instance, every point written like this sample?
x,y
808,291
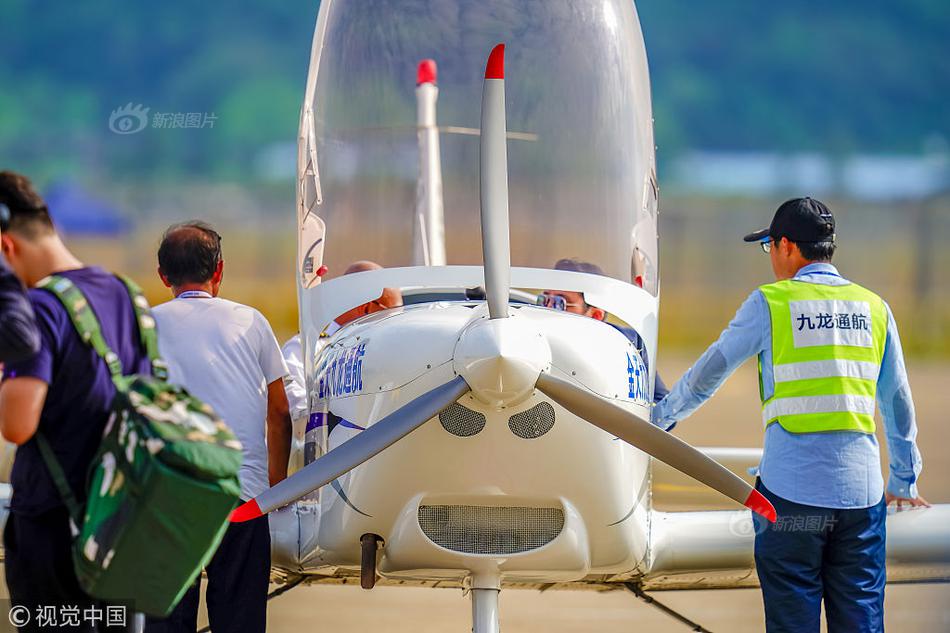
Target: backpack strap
x,y
62,484
90,331
87,325
83,318
147,331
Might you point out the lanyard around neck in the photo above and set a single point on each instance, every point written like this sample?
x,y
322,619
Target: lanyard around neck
x,y
818,272
194,294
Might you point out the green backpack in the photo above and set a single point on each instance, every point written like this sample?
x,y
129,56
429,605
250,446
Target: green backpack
x,y
162,485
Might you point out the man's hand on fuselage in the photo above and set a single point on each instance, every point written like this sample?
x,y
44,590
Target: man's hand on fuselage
x,y
915,502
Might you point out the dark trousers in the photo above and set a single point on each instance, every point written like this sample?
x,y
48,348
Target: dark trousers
x,y
812,553
39,573
238,577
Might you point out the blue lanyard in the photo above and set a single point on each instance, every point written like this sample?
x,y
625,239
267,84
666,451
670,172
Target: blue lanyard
x,y
194,294
819,272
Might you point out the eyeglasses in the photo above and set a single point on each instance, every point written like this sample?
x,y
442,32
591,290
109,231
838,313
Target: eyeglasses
x,y
4,217
556,302
766,243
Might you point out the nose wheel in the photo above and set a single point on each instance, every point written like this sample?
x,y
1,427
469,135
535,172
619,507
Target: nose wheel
x,y
485,611
369,544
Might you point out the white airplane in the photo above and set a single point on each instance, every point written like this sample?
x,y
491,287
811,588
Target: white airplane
x,y
487,442
483,441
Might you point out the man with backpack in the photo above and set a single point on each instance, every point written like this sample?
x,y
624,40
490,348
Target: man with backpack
x,y
64,393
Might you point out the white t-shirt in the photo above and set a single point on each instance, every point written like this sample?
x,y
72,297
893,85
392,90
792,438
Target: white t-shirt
x,y
226,354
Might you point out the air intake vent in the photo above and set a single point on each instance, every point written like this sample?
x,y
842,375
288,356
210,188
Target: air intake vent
x,y
460,421
490,530
534,422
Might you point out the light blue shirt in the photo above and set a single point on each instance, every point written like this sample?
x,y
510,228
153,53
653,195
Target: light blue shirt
x,y
831,470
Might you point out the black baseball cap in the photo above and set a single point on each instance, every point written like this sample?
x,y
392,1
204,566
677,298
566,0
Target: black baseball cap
x,y
800,220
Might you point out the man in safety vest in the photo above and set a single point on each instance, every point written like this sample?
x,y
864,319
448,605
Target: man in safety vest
x,y
827,349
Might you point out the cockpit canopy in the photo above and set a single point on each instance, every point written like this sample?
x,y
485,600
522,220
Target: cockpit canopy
x,y
580,151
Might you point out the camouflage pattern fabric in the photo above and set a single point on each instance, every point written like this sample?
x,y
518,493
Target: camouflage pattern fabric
x,y
162,485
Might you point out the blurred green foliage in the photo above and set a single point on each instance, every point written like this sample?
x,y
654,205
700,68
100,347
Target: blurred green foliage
x,y
834,77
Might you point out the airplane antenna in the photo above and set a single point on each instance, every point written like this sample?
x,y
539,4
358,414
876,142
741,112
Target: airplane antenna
x,y
429,234
493,187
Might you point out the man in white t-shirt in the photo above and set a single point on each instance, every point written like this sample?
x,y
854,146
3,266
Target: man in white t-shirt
x,y
226,354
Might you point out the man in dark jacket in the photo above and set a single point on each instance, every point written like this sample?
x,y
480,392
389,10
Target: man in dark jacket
x,y
19,338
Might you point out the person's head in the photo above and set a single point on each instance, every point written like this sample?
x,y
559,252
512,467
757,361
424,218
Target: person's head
x,y
391,297
189,258
28,237
802,232
571,301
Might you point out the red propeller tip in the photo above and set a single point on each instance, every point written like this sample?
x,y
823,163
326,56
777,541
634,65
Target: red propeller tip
x,y
246,511
760,505
426,72
496,63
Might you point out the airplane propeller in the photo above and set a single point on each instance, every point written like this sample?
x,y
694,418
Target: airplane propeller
x,y
586,405
654,441
493,187
341,460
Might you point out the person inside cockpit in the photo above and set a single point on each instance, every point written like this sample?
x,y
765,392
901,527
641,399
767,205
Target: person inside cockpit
x,y
571,301
293,352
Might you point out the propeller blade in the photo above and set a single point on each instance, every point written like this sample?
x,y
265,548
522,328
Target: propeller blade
x,y
351,454
653,440
493,187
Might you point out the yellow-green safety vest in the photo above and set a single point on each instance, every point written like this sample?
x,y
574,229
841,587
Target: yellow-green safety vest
x,y
827,347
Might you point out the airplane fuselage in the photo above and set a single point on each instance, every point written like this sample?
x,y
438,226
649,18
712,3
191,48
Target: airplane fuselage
x,y
528,491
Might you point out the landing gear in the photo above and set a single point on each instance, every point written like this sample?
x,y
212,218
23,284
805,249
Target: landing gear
x,y
485,611
369,543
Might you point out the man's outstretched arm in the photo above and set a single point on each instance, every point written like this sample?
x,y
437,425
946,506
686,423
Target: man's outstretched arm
x,y
900,425
745,336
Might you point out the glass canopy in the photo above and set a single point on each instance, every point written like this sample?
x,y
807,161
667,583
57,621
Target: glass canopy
x,y
580,150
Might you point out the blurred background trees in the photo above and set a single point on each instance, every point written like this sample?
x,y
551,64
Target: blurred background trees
x,y
801,75
753,102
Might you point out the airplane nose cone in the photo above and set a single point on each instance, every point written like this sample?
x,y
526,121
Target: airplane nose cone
x,y
501,359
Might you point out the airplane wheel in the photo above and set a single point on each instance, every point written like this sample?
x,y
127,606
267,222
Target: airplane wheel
x,y
369,543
